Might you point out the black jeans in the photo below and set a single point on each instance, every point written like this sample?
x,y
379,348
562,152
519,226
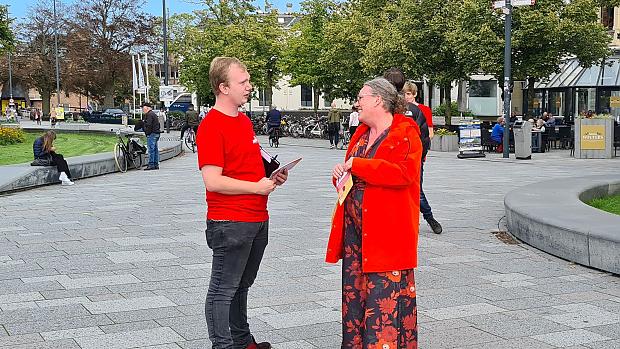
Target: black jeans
x,y
237,252
61,164
333,128
425,207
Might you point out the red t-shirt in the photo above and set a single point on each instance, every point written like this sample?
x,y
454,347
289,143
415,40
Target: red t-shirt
x,y
428,114
230,143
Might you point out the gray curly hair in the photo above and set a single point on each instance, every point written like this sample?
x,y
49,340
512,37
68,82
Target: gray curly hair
x,y
384,89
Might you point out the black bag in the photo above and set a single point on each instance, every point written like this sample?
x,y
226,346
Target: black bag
x,y
47,161
269,162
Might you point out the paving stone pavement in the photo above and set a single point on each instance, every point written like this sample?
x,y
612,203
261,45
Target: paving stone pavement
x,y
120,261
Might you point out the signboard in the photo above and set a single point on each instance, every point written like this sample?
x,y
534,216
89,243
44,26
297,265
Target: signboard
x,y
60,113
514,3
614,102
470,139
166,94
592,137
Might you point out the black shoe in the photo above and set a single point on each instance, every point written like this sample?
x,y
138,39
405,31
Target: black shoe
x,y
435,226
149,168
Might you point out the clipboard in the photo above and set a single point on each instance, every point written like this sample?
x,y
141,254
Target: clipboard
x,y
287,167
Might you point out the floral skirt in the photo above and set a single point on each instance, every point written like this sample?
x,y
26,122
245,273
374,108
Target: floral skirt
x,y
378,309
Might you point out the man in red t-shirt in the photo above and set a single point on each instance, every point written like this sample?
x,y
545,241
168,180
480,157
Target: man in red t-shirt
x,y
230,160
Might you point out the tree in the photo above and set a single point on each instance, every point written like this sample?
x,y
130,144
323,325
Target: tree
x,y
108,31
226,28
35,56
542,37
306,47
7,39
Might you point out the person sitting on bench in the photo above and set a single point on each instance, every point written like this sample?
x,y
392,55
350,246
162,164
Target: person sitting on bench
x,y
45,155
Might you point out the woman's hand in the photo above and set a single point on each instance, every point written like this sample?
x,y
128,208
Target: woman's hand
x,y
338,171
349,164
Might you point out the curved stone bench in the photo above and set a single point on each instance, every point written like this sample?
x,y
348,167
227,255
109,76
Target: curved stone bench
x,y
23,176
553,217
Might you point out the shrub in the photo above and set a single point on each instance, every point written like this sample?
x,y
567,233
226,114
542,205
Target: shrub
x,y
444,132
9,135
176,115
440,110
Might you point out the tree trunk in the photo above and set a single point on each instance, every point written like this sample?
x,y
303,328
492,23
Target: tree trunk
x,y
45,101
447,103
108,101
315,100
530,96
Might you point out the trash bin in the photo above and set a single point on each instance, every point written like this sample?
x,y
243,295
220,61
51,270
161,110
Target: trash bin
x,y
523,139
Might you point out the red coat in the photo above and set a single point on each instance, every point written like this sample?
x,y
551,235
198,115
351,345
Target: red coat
x,y
391,204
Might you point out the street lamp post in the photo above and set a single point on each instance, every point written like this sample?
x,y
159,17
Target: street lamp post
x,y
166,73
8,20
507,77
57,63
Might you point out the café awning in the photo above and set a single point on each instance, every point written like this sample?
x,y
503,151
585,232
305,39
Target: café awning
x,y
574,75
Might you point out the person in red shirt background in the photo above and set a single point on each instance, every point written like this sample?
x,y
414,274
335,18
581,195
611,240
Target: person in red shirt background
x,y
232,169
411,92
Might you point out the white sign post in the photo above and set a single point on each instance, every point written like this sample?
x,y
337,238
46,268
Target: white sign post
x,y
515,3
166,94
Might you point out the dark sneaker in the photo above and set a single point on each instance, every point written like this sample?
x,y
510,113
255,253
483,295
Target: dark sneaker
x,y
435,226
150,168
262,345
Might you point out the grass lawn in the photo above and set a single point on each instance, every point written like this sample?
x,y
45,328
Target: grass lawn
x,y
610,204
67,144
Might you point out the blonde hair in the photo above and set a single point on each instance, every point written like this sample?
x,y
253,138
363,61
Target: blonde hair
x,y
48,140
218,71
410,87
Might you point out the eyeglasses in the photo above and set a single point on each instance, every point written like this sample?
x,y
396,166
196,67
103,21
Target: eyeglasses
x,y
359,97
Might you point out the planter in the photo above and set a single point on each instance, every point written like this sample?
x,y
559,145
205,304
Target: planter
x,y
594,138
445,143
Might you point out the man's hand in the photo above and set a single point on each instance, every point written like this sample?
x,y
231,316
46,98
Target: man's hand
x,y
265,186
281,177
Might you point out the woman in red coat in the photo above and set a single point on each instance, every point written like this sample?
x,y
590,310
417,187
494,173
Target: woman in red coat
x,y
375,230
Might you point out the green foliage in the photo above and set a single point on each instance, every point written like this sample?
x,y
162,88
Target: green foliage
x,y
306,44
176,115
10,135
610,204
226,28
444,132
441,110
7,38
69,144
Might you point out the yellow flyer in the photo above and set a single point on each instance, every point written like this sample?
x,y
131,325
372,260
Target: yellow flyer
x,y
343,186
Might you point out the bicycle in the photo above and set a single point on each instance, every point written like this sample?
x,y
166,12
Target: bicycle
x,y
190,139
345,138
128,152
274,137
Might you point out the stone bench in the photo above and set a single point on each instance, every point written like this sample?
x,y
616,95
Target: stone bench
x,y
553,216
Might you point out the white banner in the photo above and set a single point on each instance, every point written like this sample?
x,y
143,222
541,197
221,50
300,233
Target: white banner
x,y
140,73
166,93
133,73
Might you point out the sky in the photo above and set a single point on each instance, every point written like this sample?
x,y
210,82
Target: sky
x,y
19,8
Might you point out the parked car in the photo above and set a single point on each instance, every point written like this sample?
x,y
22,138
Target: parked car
x,y
108,116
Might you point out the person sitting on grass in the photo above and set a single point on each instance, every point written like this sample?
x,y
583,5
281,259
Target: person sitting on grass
x,y
45,155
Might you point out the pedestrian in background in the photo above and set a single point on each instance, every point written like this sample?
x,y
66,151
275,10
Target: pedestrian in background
x,y
333,127
353,121
161,116
152,130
